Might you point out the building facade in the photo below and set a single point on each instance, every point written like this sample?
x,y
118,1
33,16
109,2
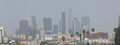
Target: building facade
x,y
55,29
70,22
24,28
47,25
2,33
76,25
85,23
42,34
32,25
63,23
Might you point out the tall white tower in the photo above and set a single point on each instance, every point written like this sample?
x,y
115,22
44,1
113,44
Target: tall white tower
x,y
32,24
70,21
2,33
76,26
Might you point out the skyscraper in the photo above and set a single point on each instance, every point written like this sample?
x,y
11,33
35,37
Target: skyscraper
x,y
70,21
118,20
23,27
32,24
76,26
55,29
63,23
47,25
85,23
60,26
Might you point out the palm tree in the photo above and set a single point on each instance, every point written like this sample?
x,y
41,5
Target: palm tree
x,y
63,39
72,35
88,32
79,34
83,31
93,30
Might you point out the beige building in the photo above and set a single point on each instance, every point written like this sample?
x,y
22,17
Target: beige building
x,y
32,42
21,36
37,37
42,34
67,36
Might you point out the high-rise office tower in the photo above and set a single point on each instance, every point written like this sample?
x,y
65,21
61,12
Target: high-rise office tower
x,y
32,24
60,26
23,27
85,23
76,26
118,20
70,22
63,22
47,25
55,29
2,33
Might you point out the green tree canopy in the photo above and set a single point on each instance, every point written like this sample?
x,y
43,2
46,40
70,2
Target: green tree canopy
x,y
83,31
88,32
43,43
63,38
20,44
93,30
115,30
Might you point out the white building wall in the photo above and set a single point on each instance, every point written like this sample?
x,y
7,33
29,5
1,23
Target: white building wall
x,y
2,33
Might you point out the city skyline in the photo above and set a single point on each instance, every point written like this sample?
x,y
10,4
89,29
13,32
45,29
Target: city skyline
x,y
103,14
59,22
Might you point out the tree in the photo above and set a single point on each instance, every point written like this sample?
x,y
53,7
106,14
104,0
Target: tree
x,y
87,32
117,35
79,34
43,43
63,39
115,30
83,31
20,44
93,30
72,35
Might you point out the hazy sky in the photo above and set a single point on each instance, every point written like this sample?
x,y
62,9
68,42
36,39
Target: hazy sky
x,y
103,13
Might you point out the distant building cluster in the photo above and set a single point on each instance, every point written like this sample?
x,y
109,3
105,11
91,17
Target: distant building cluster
x,y
69,30
68,24
67,27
